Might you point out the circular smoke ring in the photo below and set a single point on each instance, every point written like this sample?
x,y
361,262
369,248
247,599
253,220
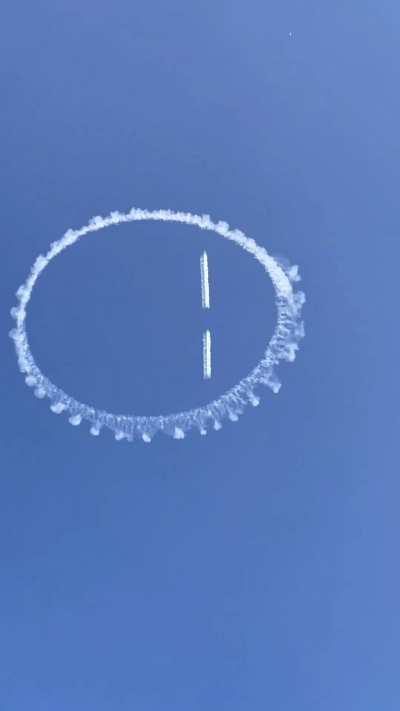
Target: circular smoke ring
x,y
283,344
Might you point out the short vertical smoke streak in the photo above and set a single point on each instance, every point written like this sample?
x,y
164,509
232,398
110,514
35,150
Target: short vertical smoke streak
x,y
205,281
207,355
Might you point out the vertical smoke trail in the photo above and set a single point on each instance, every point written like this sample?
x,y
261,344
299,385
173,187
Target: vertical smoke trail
x,y
205,282
207,355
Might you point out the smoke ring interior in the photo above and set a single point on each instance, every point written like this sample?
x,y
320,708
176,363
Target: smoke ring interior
x,y
282,346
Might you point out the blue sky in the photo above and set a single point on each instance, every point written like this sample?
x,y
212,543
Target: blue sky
x,y
255,568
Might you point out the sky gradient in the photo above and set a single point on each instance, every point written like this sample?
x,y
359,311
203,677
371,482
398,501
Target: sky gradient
x,y
255,568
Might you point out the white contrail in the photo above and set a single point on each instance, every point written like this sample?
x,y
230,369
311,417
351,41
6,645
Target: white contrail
x,y
205,281
207,355
283,344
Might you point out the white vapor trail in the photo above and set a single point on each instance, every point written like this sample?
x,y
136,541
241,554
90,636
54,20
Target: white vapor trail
x,y
207,355
282,345
205,281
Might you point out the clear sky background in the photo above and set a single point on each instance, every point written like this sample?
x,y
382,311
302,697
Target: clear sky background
x,y
256,568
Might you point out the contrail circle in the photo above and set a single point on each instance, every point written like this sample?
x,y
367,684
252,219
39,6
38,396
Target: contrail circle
x,y
282,346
